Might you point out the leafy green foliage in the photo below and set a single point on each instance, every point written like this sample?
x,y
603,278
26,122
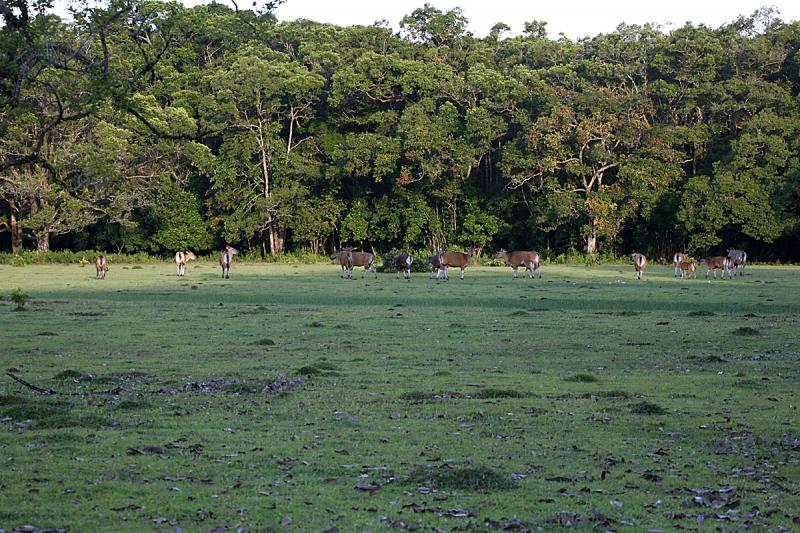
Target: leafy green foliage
x,y
221,126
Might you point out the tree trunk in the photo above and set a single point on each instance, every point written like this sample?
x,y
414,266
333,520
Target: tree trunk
x,y
591,238
16,231
277,236
43,242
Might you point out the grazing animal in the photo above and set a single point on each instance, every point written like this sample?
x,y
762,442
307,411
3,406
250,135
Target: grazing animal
x,y
101,266
690,267
715,263
455,259
528,259
359,259
225,260
677,259
181,258
738,259
435,261
402,261
639,263
341,257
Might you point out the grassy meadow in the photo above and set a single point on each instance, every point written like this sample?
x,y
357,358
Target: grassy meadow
x,y
288,399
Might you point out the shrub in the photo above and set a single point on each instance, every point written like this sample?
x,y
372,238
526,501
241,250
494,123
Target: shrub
x,y
19,297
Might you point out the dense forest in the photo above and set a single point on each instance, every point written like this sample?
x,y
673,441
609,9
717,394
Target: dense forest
x,y
149,126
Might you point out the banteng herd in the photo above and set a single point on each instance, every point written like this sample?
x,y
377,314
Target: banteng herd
x,y
440,263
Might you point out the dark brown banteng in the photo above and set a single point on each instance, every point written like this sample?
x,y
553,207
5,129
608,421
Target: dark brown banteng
x,y
639,263
101,266
359,259
738,259
403,261
528,259
225,260
688,268
715,263
678,258
455,259
181,258
435,261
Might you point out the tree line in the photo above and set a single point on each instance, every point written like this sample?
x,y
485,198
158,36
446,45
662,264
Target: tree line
x,y
150,126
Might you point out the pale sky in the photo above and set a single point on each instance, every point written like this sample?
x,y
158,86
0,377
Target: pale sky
x,y
573,18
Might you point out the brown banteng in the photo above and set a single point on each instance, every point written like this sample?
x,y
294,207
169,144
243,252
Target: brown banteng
x,y
455,259
435,261
715,263
225,260
639,263
677,259
181,258
528,259
341,257
101,266
359,259
688,268
402,261
738,259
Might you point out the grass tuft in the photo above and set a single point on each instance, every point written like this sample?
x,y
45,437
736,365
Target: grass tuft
x,y
647,408
472,478
746,331
582,378
499,393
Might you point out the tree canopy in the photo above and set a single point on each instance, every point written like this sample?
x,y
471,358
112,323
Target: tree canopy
x,y
147,125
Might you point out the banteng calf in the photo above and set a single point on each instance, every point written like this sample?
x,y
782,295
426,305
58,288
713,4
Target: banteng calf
x,y
402,261
717,262
101,266
225,260
677,259
435,261
639,263
690,267
181,258
455,259
528,259
738,259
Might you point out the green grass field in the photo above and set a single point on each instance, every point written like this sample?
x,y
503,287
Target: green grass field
x,y
287,398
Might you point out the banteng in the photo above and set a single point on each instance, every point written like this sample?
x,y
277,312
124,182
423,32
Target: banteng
x,y
359,259
435,261
677,259
181,258
528,259
690,267
101,266
225,260
738,259
341,257
717,262
402,261
455,259
639,263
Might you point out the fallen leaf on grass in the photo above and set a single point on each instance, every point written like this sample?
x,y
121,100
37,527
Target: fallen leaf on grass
x,y
369,487
716,499
129,507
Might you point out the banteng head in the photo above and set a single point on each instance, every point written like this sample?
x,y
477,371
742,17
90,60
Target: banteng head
x,y
501,254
